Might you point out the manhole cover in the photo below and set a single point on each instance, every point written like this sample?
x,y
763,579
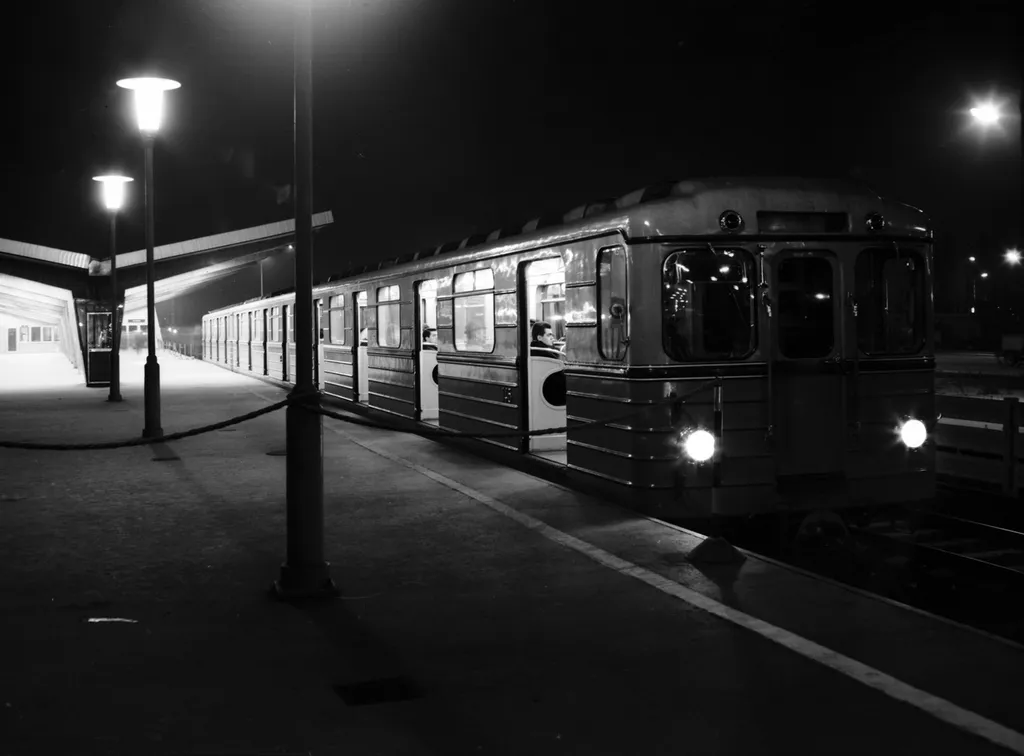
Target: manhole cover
x,y
385,690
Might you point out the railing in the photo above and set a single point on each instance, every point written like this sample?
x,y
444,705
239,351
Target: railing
x,y
978,443
189,350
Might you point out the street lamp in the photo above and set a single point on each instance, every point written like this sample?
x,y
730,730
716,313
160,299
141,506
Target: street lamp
x,y
149,108
987,114
113,198
304,574
1012,256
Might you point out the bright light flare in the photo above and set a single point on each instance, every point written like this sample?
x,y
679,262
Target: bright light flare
x,y
149,100
913,434
987,114
113,190
699,445
1013,256
984,275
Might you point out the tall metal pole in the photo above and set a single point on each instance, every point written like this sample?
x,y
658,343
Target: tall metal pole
x,y
152,371
115,341
304,574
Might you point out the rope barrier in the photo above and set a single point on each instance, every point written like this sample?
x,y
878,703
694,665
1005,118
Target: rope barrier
x,y
300,399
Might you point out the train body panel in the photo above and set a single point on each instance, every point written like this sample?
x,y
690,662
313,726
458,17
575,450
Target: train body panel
x,y
788,320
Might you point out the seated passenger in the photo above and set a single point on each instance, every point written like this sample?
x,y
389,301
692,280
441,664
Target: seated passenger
x,y
430,339
543,344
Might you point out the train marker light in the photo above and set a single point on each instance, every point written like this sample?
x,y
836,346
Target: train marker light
x,y
699,445
913,434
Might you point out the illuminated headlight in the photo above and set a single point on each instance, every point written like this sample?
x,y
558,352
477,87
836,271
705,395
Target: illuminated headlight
x,y
699,445
913,434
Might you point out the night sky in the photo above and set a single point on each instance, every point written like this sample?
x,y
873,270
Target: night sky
x,y
435,119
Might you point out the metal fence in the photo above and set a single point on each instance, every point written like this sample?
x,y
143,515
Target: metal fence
x,y
978,443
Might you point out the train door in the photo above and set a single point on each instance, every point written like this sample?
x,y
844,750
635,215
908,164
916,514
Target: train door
x,y
318,340
544,337
249,318
808,405
426,327
263,340
238,339
362,369
286,324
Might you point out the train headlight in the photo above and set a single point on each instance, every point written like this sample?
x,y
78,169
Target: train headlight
x,y
699,445
913,434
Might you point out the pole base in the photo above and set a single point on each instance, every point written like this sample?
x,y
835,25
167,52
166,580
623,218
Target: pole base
x,y
115,398
151,386
305,582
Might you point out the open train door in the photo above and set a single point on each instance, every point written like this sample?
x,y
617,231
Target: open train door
x,y
427,374
809,411
362,370
544,302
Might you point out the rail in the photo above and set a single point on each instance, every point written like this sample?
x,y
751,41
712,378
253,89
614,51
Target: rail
x,y
978,443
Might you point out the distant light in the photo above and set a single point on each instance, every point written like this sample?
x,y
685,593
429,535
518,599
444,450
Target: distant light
x,y
972,311
986,114
290,247
113,190
984,275
820,295
714,278
972,258
1013,256
724,269
149,100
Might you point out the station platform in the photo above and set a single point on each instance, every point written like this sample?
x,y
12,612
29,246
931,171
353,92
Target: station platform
x,y
482,610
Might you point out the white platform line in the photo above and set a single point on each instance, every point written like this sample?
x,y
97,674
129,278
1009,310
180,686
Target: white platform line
x,y
939,708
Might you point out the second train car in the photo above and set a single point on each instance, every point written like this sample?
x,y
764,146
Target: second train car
x,y
801,309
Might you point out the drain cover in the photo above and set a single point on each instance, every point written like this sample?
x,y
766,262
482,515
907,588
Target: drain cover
x,y
385,690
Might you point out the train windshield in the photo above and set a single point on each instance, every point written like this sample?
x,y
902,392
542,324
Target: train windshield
x,y
891,294
708,306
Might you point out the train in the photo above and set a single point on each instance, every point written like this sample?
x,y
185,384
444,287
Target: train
x,y
714,348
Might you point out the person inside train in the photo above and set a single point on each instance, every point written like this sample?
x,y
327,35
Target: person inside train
x,y
543,344
474,331
363,337
430,339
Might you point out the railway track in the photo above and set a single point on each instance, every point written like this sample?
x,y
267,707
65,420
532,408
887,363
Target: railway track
x,y
970,548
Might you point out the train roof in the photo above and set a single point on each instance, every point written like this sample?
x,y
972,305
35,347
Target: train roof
x,y
707,196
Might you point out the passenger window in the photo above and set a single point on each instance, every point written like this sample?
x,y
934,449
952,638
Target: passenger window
x,y
806,307
613,325
708,306
336,319
890,286
389,332
474,311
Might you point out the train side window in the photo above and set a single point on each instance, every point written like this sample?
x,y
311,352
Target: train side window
x,y
806,307
389,313
612,295
708,306
474,311
336,318
890,286
290,317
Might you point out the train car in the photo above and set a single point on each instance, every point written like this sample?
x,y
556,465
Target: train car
x,y
799,311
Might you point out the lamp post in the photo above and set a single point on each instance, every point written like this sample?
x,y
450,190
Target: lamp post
x,y
304,574
113,198
149,105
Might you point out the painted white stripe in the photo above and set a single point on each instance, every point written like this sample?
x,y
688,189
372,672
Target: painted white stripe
x,y
939,708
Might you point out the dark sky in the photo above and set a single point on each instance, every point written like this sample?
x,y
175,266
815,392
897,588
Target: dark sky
x,y
435,119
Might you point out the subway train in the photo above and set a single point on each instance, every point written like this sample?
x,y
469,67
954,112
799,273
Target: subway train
x,y
720,347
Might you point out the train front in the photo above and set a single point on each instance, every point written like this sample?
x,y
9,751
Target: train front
x,y
811,308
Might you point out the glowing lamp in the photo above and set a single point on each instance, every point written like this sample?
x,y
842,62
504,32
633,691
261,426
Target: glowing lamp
x,y
1013,256
113,190
699,446
149,100
913,434
987,114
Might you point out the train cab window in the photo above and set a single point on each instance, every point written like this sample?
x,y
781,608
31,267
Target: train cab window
x,y
23,334
613,305
708,307
806,318
890,294
389,313
474,311
336,319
